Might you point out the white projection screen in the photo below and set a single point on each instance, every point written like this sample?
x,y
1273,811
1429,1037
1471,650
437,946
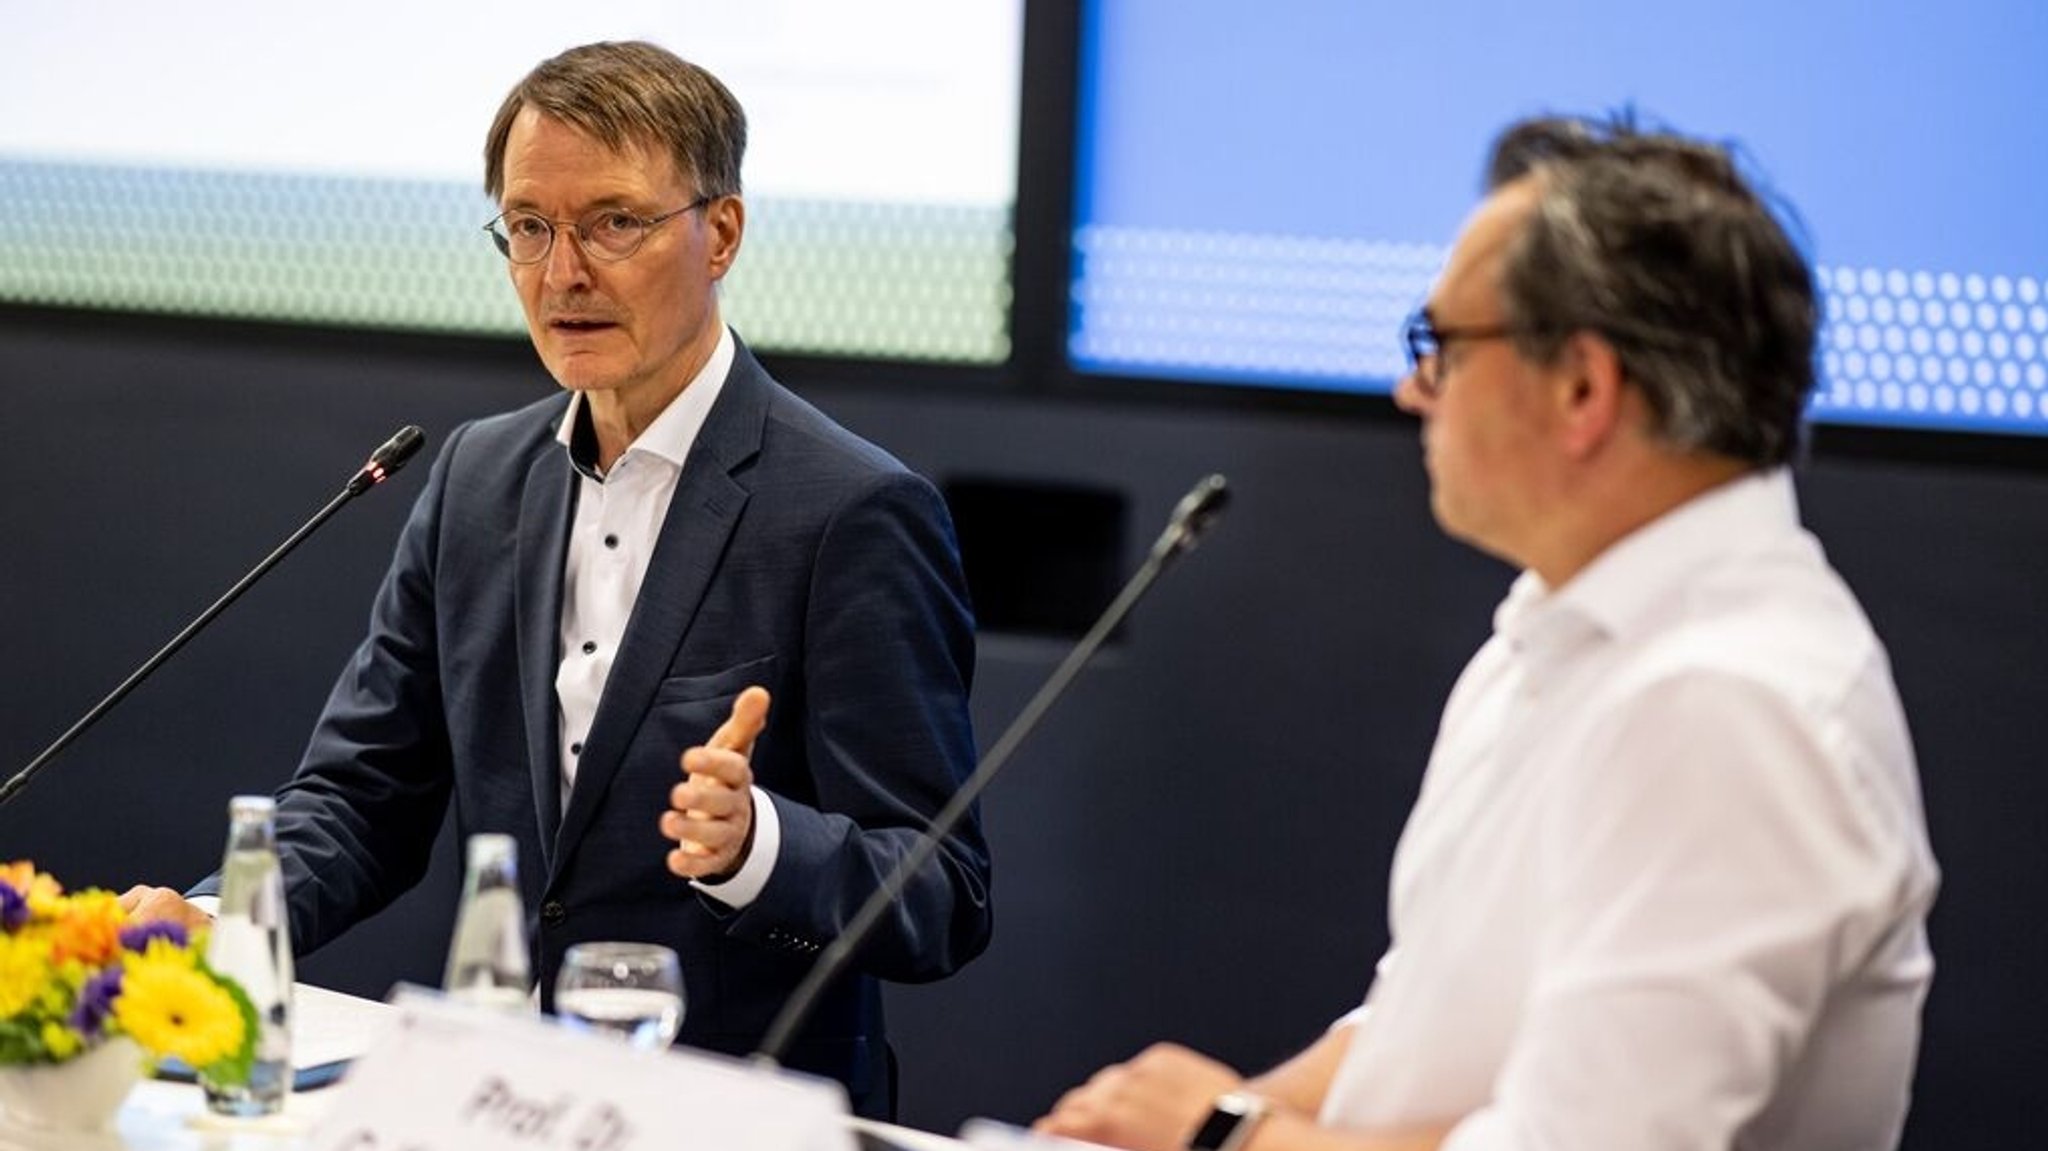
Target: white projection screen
x,y
323,164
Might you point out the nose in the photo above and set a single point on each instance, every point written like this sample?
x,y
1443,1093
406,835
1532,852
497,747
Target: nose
x,y
1413,397
567,266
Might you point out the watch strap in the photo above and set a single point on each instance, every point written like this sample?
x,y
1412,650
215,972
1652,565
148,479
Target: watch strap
x,y
1230,1122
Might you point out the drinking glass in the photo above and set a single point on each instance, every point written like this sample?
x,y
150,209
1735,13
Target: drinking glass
x,y
630,990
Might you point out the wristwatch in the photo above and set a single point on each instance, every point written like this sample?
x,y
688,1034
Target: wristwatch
x,y
1231,1121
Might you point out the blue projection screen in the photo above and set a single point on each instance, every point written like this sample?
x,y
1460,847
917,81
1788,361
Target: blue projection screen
x,y
1263,195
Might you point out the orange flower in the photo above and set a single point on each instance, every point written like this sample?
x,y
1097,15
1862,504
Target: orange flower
x,y
88,929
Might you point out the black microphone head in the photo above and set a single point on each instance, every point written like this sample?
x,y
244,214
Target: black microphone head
x,y
390,456
402,446
1195,514
1203,503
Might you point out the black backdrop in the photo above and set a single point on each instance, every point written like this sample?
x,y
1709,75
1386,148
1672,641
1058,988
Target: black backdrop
x,y
1194,847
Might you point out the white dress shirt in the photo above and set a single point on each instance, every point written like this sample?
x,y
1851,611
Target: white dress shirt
x,y
619,514
1666,882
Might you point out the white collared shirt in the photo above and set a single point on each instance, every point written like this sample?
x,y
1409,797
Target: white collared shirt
x,y
1666,882
611,541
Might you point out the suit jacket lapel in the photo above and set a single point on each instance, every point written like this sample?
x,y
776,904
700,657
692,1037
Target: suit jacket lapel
x,y
537,594
700,520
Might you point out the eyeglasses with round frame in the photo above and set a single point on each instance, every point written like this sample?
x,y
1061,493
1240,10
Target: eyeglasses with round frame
x,y
608,234
1426,343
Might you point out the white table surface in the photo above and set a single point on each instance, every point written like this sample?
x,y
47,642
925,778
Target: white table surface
x,y
162,1116
327,1025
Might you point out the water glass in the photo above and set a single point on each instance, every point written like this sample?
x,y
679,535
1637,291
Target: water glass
x,y
630,990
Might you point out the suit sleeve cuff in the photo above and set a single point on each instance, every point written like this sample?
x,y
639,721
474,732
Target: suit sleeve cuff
x,y
746,883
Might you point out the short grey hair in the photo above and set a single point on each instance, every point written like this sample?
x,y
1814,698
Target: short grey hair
x,y
1659,244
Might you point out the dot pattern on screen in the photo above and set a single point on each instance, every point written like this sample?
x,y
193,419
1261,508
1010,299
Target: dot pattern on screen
x,y
1932,348
247,245
1947,346
1289,308
901,281
909,281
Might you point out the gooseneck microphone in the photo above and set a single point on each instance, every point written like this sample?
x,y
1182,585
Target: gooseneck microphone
x,y
390,456
1196,513
382,464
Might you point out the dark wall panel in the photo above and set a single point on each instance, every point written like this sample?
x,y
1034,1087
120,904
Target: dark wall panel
x,y
148,467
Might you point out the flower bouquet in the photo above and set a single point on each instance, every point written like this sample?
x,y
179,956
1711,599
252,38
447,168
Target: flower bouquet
x,y
76,978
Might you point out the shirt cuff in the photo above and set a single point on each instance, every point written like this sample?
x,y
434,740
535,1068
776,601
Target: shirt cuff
x,y
746,884
210,904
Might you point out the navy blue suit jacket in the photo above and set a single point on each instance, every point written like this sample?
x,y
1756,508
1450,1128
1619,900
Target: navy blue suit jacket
x,y
795,556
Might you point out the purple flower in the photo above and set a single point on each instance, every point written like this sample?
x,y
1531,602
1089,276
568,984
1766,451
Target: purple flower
x,y
95,1003
136,936
13,906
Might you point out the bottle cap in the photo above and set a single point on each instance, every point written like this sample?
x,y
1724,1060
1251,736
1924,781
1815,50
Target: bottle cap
x,y
252,806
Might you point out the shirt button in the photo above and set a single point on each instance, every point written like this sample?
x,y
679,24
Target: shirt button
x,y
576,748
611,541
589,647
552,912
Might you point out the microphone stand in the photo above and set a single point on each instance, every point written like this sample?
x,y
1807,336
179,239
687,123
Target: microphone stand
x,y
386,460
1196,512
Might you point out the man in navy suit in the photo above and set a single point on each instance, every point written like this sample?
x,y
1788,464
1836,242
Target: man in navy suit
x,y
703,653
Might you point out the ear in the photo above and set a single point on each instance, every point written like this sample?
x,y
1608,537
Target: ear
x,y
1591,393
726,220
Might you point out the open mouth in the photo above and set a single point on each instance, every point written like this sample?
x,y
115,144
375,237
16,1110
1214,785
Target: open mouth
x,y
578,327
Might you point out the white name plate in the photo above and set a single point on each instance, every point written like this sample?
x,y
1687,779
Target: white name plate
x,y
995,1135
448,1077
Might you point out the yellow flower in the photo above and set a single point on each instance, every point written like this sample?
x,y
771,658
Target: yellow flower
x,y
44,895
21,875
170,954
172,1009
24,973
61,1041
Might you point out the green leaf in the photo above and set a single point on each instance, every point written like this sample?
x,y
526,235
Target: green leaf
x,y
21,1041
233,1071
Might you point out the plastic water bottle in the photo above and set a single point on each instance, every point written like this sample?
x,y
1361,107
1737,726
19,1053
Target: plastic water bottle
x,y
251,944
487,960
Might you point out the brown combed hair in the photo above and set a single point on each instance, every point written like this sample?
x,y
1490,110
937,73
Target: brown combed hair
x,y
632,93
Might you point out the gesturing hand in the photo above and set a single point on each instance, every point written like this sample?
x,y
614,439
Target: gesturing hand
x,y
711,813
145,904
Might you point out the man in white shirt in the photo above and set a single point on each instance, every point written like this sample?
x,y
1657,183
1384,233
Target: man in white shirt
x,y
1666,883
